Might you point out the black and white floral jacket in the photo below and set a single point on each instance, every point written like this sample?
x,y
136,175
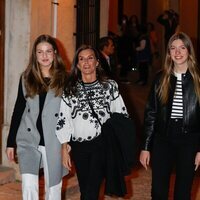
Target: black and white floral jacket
x,y
76,120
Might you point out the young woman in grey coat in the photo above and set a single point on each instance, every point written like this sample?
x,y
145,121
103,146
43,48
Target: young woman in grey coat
x,y
34,120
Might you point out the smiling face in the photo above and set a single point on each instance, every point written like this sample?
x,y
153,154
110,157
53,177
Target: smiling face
x,y
87,64
179,54
45,56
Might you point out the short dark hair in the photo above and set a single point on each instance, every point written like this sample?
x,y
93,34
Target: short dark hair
x,y
104,41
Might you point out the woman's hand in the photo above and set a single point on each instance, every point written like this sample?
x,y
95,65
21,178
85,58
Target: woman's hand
x,y
10,152
66,160
145,158
197,160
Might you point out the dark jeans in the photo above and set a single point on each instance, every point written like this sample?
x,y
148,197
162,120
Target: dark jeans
x,y
88,158
178,150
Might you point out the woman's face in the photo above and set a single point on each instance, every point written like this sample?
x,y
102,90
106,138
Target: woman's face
x,y
87,63
44,55
179,53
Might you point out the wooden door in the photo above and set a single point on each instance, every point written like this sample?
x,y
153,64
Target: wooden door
x,y
2,39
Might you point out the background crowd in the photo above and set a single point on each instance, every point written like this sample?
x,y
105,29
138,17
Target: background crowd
x,y
136,46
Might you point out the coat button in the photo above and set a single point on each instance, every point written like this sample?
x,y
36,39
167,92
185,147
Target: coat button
x,y
28,129
29,110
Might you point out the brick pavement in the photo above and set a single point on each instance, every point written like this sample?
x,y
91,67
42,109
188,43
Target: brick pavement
x,y
138,185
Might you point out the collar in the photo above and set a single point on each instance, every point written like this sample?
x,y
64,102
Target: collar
x,y
106,56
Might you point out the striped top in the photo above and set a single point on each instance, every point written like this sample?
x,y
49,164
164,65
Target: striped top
x,y
177,105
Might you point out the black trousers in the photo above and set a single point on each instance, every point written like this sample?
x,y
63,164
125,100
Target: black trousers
x,y
177,151
88,158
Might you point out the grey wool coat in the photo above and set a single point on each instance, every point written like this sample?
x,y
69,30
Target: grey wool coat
x,y
28,138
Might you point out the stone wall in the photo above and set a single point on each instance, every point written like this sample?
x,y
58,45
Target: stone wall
x,y
17,40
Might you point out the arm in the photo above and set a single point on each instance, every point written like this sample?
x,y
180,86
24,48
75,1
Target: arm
x,y
150,115
66,160
197,160
64,129
19,108
149,121
117,103
10,152
145,158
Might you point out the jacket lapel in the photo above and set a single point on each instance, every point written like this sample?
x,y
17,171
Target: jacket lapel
x,y
49,97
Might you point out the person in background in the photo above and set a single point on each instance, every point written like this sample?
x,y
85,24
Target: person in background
x,y
134,26
143,56
124,50
153,42
77,124
170,20
106,50
171,121
123,24
134,31
34,120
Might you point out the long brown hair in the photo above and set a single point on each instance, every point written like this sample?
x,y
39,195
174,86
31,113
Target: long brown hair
x,y
163,89
75,74
34,81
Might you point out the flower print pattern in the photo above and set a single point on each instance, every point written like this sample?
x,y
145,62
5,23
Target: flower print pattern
x,y
104,98
61,122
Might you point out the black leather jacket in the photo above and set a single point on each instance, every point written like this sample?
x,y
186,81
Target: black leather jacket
x,y
156,119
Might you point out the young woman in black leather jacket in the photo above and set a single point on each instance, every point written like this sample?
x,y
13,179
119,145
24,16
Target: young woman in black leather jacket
x,y
171,125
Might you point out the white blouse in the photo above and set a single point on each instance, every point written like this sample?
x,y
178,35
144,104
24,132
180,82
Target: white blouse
x,y
76,120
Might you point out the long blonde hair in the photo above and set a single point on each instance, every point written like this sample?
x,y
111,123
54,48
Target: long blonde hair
x,y
163,89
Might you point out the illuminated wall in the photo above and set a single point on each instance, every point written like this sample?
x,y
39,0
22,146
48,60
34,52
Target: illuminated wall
x,y
42,17
189,18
